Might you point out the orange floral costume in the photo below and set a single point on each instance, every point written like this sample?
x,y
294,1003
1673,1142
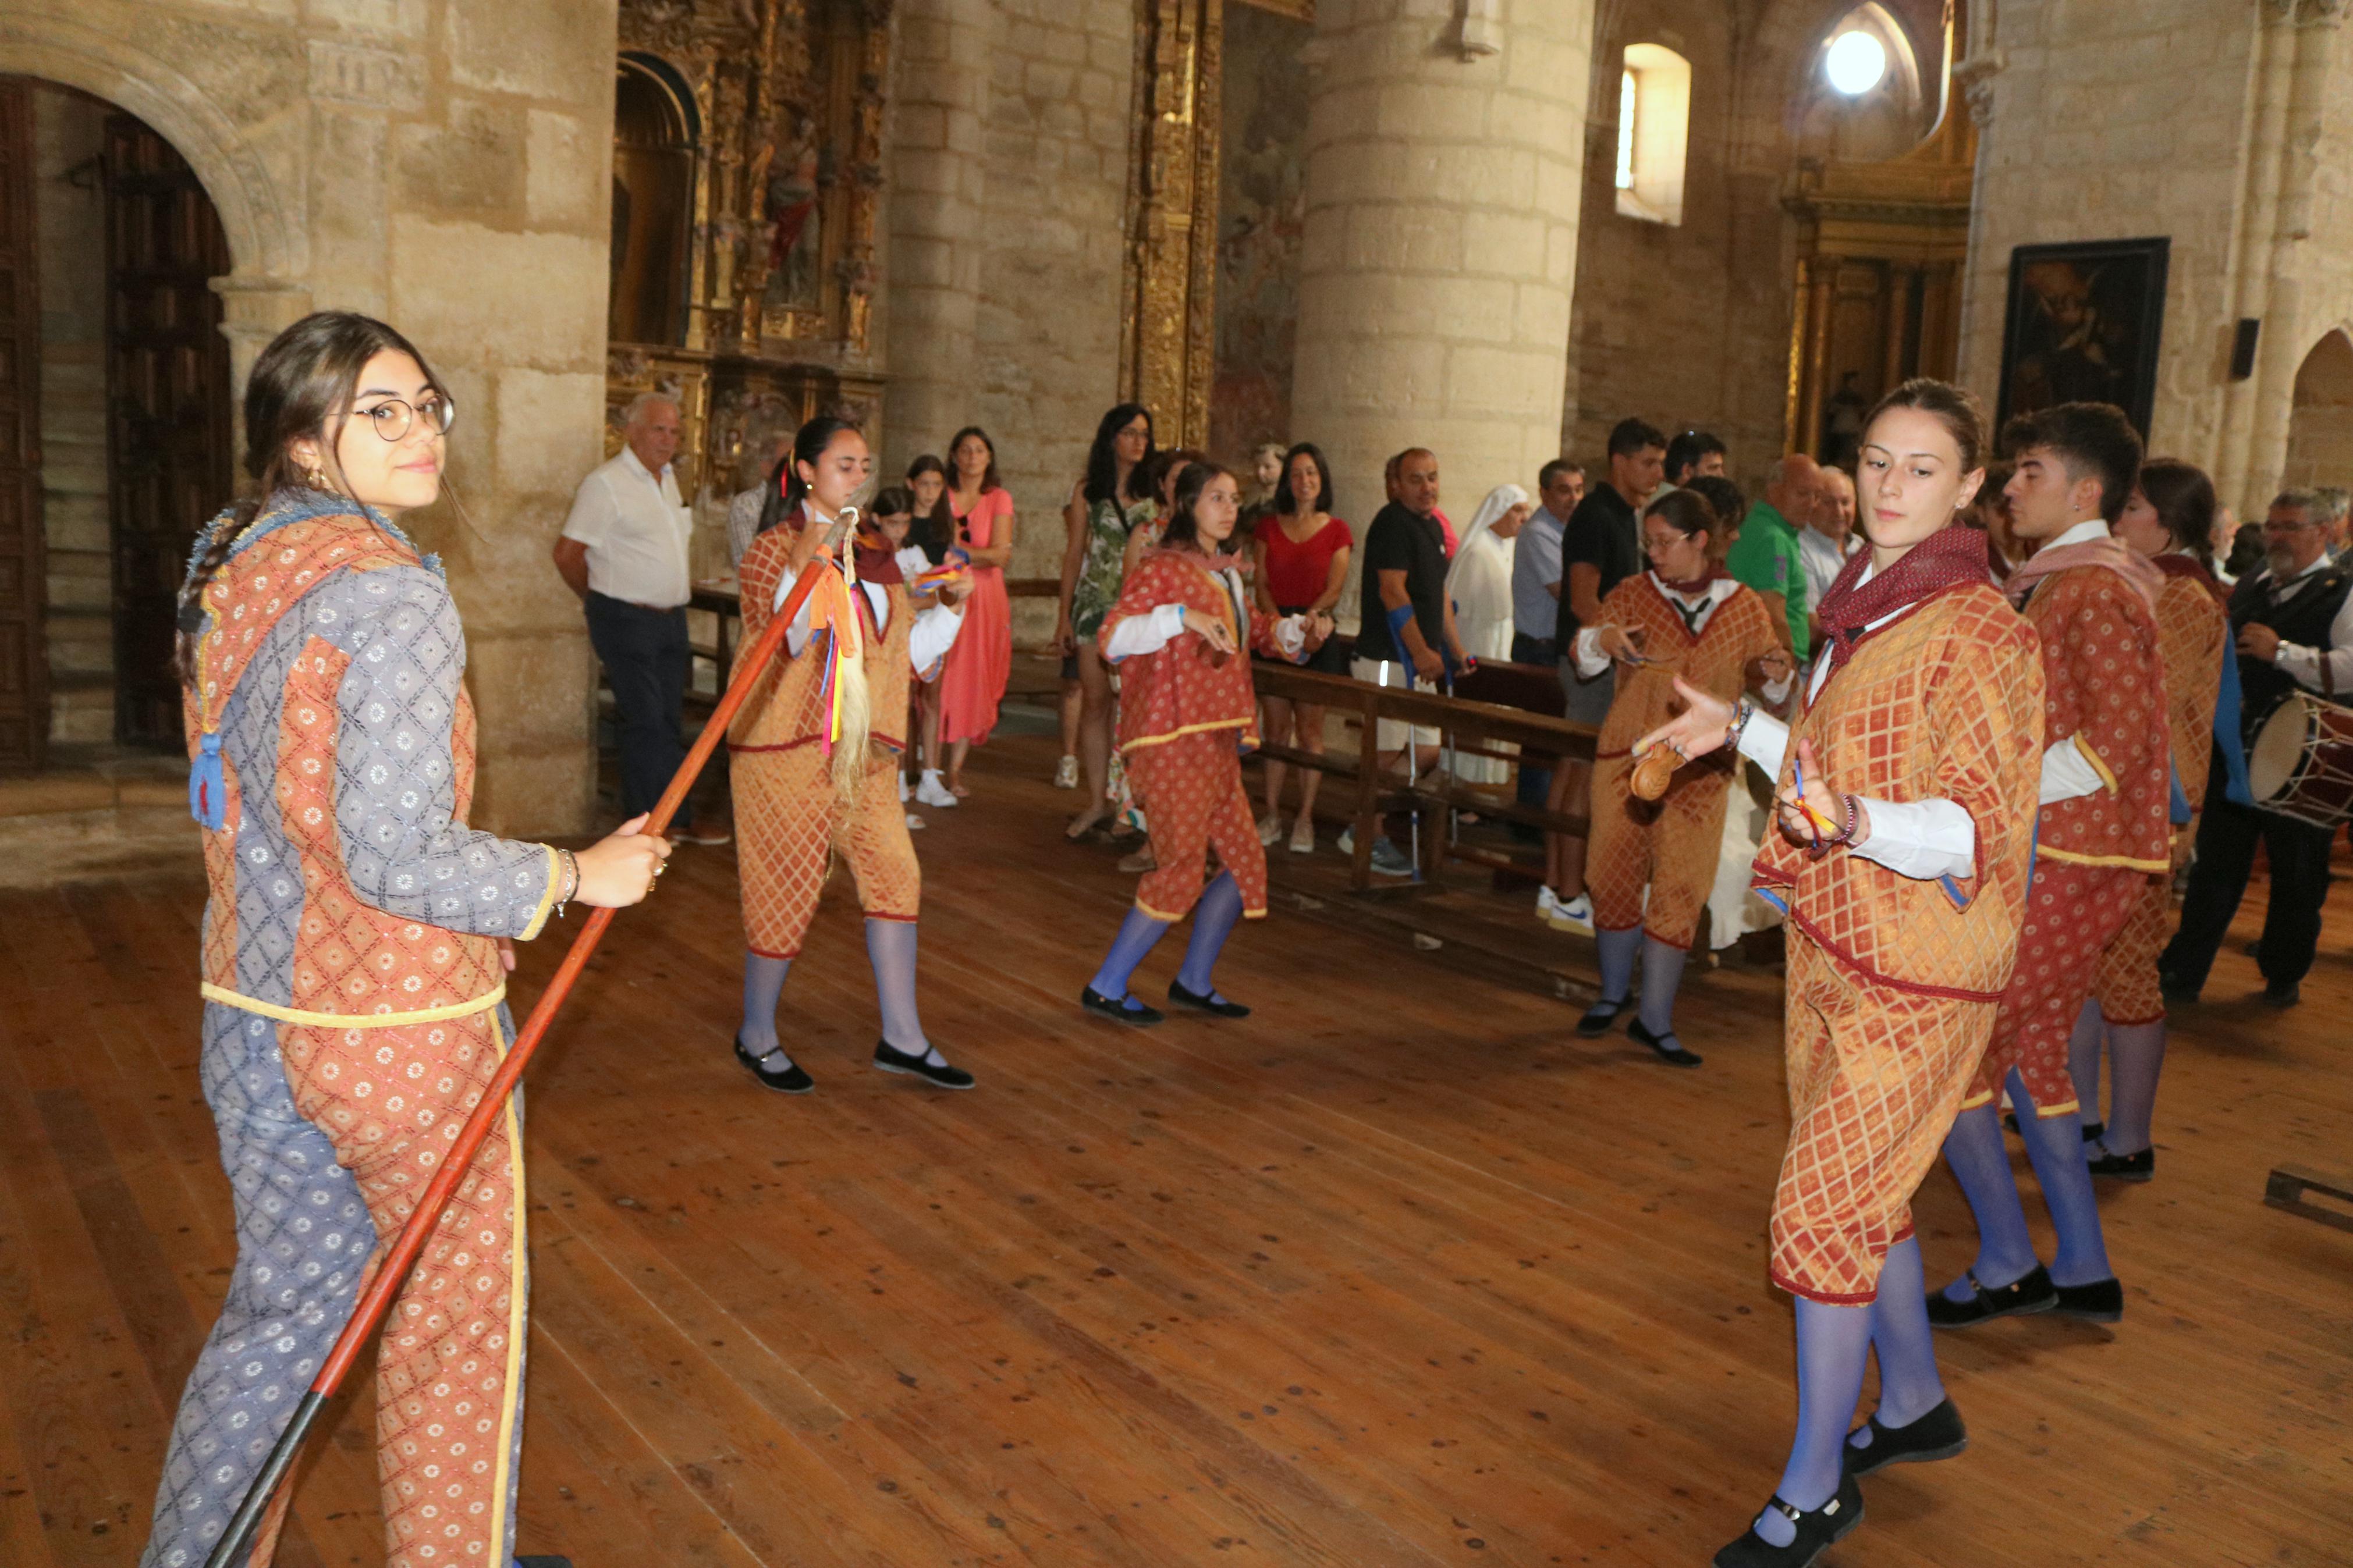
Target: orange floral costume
x,y
789,820
1185,716
2095,855
1671,844
354,1013
1893,981
2193,637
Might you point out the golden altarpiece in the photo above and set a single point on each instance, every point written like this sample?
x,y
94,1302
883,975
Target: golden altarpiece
x,y
747,173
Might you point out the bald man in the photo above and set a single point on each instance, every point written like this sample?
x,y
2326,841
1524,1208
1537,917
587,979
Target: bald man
x,y
1767,557
1825,545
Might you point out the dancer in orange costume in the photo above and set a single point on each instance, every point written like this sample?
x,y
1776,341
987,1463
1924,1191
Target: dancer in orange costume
x,y
2103,833
1685,619
814,770
1186,714
355,945
2169,519
1906,811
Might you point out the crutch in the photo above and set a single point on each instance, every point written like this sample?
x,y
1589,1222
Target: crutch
x,y
376,1300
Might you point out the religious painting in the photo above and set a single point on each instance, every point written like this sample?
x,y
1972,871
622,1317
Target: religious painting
x,y
2083,327
1261,216
797,181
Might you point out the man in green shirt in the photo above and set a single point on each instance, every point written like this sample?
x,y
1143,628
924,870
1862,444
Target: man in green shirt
x,y
1767,556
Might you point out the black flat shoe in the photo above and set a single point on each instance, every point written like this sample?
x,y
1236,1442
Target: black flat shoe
x,y
889,1058
2283,994
2101,1301
1817,1529
2139,1167
2091,1131
1138,1017
2031,1292
1207,1004
542,1563
1673,1054
2178,992
786,1079
1939,1434
1599,1019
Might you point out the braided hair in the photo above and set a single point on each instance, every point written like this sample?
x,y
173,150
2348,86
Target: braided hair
x,y
301,389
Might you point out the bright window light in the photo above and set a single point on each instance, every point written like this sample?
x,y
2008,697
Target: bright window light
x,y
1855,63
1629,98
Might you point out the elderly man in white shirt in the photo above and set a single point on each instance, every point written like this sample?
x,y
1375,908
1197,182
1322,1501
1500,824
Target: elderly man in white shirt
x,y
623,552
1827,539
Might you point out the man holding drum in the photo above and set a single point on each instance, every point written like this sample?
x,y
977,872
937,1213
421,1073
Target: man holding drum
x,y
2293,628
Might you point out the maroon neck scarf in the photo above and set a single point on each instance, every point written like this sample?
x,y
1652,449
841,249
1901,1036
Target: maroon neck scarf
x,y
1697,585
1952,557
877,562
2174,564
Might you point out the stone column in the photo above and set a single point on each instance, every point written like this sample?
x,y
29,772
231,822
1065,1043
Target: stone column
x,y
937,184
1440,246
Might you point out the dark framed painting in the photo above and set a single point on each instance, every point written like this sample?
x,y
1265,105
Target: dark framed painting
x,y
2083,325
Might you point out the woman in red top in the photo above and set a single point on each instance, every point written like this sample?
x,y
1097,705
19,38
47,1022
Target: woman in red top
x,y
1301,555
974,682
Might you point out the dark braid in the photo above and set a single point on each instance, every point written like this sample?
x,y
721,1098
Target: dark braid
x,y
301,388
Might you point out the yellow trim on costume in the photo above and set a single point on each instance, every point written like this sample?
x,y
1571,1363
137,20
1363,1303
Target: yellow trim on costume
x,y
518,1294
2128,862
2107,779
1127,746
1157,914
212,992
546,899
2070,1108
1977,1098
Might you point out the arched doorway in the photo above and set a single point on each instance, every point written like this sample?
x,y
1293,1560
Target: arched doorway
x,y
114,398
2320,427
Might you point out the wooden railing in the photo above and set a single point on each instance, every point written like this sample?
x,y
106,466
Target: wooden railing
x,y
1458,720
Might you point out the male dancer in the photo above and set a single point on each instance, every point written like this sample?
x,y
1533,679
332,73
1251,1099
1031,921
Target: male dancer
x,y
2103,832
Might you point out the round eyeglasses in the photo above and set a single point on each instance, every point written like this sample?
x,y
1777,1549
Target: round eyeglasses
x,y
393,418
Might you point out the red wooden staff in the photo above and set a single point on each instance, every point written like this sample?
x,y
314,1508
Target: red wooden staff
x,y
376,1300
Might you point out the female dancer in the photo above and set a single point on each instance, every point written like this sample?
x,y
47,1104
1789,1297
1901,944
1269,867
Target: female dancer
x,y
1185,718
1906,814
356,945
1303,553
934,534
1683,625
974,682
1110,501
2170,520
814,771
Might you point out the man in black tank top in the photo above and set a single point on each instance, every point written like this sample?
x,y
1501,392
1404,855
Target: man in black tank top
x,y
2294,630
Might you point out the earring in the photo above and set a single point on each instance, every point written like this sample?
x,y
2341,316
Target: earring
x,y
317,477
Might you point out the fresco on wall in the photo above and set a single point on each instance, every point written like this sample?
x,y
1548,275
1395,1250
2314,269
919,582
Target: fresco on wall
x,y
1261,212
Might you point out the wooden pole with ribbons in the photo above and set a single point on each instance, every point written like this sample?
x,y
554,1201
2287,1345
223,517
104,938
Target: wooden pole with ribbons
x,y
376,1300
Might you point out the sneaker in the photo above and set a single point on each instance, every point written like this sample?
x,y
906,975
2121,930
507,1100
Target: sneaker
x,y
1270,828
905,789
712,837
932,793
1546,902
1388,860
1303,836
1347,841
1138,863
1066,773
1573,914
914,824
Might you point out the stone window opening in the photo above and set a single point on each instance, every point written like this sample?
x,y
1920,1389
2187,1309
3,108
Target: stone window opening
x,y
1653,133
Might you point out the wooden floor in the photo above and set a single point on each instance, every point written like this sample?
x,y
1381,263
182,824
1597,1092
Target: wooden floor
x,y
1396,1272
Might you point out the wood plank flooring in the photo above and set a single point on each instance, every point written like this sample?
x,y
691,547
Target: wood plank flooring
x,y
1395,1272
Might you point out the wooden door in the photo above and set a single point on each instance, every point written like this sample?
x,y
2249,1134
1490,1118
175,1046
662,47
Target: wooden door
x,y
168,429
23,654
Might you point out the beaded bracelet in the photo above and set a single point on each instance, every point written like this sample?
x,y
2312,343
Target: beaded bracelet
x,y
569,865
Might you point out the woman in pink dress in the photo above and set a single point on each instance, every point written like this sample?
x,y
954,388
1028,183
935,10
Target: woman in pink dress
x,y
978,666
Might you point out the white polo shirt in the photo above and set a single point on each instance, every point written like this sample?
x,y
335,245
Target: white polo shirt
x,y
635,530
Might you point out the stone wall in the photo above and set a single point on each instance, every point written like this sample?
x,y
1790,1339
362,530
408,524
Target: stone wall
x,y
442,162
69,215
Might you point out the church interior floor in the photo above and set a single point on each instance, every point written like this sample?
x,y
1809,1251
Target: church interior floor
x,y
1397,1271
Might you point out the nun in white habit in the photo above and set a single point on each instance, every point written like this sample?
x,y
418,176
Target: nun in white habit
x,y
1479,584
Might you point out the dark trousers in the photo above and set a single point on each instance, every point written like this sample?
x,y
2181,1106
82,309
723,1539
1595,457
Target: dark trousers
x,y
2227,836
1535,783
647,658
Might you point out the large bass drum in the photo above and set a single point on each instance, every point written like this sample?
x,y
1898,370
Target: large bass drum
x,y
2301,762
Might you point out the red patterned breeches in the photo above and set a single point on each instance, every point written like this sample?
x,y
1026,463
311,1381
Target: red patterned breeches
x,y
2125,984
2072,913
1193,798
1670,845
1876,1076
789,825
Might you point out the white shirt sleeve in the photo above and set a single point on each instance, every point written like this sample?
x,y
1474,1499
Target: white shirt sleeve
x,y
1764,741
1585,651
797,637
2068,774
593,512
2327,670
1922,840
1145,634
929,640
